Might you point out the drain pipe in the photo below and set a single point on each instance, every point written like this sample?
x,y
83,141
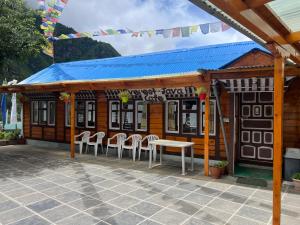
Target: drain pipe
x,y
221,118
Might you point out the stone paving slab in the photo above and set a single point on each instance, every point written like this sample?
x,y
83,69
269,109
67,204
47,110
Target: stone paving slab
x,y
42,186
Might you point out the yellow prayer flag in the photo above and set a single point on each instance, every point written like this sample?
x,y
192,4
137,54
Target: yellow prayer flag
x,y
194,28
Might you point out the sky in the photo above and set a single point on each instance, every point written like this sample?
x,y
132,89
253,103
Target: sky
x,y
138,15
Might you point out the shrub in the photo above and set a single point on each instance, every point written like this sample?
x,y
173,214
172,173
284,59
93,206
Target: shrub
x,y
296,176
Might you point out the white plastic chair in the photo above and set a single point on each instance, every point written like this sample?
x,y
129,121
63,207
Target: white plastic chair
x,y
149,138
99,137
120,137
84,139
135,140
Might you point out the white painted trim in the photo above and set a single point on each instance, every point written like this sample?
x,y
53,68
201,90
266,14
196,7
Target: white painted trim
x,y
246,156
32,112
249,108
109,116
259,157
136,116
215,117
166,117
67,114
51,124
260,111
245,101
257,128
267,142
261,101
260,137
86,114
249,138
268,116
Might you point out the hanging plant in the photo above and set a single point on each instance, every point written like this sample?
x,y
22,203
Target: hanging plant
x,y
124,96
201,91
23,98
64,96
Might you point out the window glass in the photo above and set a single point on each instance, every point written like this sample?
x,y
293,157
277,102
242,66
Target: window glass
x,y
172,116
189,116
80,112
141,116
90,113
68,114
212,117
127,116
42,112
114,115
51,113
34,112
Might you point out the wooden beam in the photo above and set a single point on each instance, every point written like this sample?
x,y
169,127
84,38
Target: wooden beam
x,y
72,128
206,133
256,3
278,127
293,37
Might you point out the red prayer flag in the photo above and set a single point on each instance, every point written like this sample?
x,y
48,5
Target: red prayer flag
x,y
225,26
176,32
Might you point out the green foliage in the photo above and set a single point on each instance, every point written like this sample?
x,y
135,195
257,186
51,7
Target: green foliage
x,y
221,164
10,135
19,37
296,176
65,51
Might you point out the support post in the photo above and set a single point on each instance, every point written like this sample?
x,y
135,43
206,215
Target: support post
x,y
278,124
72,128
206,134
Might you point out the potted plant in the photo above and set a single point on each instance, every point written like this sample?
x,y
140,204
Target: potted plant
x,y
23,98
296,181
64,96
124,96
217,169
201,91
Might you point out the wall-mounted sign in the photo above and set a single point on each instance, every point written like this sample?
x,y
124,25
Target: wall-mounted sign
x,y
155,95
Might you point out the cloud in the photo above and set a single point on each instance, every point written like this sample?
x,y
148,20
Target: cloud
x,y
138,15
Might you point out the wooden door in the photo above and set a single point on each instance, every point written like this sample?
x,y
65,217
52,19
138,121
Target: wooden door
x,y
256,127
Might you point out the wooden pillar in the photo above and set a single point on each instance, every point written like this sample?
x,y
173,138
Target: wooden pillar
x,y
206,134
72,128
278,114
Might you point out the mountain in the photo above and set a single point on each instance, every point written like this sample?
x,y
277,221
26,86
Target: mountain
x,y
64,51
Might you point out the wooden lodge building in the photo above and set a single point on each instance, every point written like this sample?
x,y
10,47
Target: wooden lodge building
x,y
238,77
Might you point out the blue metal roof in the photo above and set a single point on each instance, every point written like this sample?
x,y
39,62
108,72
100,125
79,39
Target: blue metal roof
x,y
175,62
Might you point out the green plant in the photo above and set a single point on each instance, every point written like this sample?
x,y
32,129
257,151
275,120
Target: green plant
x,y
64,96
201,90
10,135
296,176
221,164
124,96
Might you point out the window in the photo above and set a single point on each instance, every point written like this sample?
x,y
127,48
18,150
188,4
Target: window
x,y
114,119
51,113
189,116
68,114
140,116
34,112
172,116
212,117
80,113
127,116
42,112
90,113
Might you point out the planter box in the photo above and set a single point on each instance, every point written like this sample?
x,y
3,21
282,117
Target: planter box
x,y
12,142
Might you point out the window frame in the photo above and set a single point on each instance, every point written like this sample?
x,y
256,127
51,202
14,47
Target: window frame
x,y
202,115
110,115
87,112
122,110
67,113
32,112
49,108
194,111
178,117
136,116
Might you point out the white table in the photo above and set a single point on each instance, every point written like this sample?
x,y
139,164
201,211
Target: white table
x,y
170,143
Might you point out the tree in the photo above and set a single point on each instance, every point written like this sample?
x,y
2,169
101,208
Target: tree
x,y
20,38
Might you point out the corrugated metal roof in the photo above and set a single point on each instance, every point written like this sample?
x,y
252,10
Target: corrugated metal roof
x,y
175,62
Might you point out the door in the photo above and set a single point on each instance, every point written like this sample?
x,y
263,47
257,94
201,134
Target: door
x,y
256,128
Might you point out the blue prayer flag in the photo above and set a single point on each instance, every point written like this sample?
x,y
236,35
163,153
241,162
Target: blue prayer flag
x,y
3,108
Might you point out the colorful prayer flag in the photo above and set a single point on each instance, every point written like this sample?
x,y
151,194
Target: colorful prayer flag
x,y
194,29
185,31
159,32
150,33
215,27
225,26
204,28
176,32
167,33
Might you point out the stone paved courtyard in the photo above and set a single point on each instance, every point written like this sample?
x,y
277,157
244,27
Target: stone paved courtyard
x,y
39,186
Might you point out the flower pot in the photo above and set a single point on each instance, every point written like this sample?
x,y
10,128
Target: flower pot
x,y
215,172
202,96
296,184
124,99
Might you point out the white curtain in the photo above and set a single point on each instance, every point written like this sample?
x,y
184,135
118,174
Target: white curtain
x,y
13,113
